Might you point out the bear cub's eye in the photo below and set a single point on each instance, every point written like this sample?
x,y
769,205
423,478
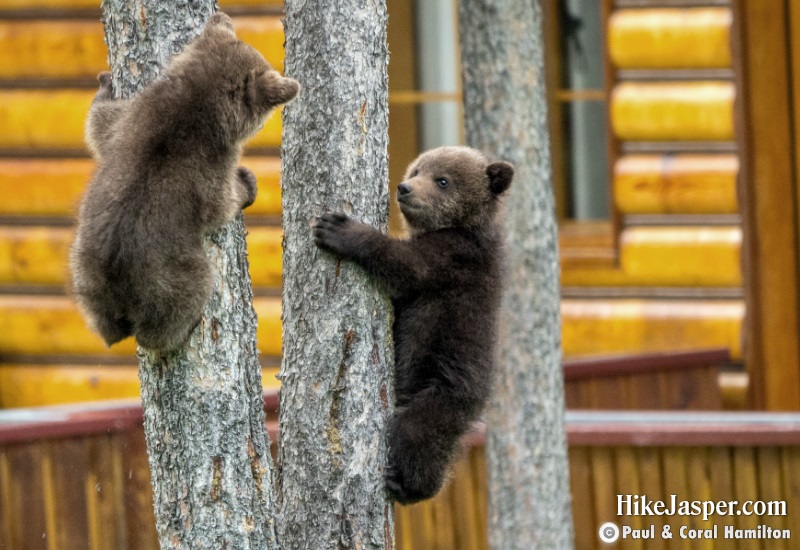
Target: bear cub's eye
x,y
414,173
442,183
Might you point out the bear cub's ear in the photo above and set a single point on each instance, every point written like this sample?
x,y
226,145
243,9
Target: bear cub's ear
x,y
500,176
219,21
270,88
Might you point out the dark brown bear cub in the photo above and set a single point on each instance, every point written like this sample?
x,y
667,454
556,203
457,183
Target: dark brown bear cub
x,y
166,175
445,285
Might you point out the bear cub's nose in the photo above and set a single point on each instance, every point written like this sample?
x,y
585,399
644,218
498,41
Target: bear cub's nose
x,y
403,189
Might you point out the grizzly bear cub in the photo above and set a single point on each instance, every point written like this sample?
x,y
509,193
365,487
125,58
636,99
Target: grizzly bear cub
x,y
445,284
166,175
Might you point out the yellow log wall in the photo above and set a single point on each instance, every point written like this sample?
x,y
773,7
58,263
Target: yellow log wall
x,y
52,49
54,119
53,187
589,327
676,184
52,325
673,111
667,257
670,38
39,255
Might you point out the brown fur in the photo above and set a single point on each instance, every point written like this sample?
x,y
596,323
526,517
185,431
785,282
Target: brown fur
x,y
445,283
166,175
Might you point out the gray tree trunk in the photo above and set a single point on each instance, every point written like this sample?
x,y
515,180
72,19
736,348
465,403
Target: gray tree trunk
x,y
203,409
506,115
336,372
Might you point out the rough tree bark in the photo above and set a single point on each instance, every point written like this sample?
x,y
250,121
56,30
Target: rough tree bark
x,y
505,115
203,409
336,372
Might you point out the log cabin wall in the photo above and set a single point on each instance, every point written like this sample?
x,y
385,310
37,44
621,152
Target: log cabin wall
x,y
665,272
668,287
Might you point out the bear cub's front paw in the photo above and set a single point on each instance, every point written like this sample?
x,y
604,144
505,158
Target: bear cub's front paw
x,y
104,91
248,181
331,231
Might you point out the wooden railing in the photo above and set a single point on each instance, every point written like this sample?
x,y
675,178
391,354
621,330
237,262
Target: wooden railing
x,y
77,477
683,380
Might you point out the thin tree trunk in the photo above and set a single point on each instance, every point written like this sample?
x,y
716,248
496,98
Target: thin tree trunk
x,y
336,373
506,115
203,409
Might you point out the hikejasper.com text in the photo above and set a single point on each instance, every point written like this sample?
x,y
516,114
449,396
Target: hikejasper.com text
x,y
640,505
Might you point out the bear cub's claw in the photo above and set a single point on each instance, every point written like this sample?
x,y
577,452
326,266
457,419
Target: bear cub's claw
x,y
330,229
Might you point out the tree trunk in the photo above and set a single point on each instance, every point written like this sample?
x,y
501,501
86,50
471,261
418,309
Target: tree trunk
x,y
336,372
506,115
203,408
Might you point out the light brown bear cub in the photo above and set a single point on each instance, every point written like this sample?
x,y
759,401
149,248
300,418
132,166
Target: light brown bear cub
x,y
445,283
167,173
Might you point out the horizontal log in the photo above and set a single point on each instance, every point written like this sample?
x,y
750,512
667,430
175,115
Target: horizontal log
x,y
54,119
53,187
649,257
33,385
676,184
682,256
673,111
38,255
73,48
51,325
689,256
601,326
653,38
34,255
39,385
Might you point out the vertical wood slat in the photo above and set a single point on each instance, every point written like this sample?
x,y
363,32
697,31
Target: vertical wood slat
x,y
582,489
49,498
137,494
721,479
424,529
651,475
790,466
478,462
628,483
442,513
7,515
463,498
402,529
675,483
770,483
104,498
699,487
746,488
604,484
29,527
69,463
